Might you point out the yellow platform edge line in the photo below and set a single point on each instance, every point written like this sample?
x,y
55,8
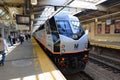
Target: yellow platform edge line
x,y
107,46
47,67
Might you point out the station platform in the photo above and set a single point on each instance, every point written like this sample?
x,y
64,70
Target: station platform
x,y
27,61
107,44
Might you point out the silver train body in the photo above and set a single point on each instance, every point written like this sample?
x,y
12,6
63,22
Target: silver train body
x,y
66,41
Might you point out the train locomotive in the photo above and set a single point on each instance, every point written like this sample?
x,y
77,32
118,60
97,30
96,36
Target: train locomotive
x,y
66,42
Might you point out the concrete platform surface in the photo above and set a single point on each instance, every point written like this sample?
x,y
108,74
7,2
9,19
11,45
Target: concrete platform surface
x,y
25,62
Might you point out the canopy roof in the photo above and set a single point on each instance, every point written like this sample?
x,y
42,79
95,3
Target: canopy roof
x,y
41,10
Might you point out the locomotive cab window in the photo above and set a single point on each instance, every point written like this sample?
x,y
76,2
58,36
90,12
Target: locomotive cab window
x,y
64,28
77,29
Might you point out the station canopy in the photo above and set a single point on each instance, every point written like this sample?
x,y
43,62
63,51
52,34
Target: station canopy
x,y
41,10
52,7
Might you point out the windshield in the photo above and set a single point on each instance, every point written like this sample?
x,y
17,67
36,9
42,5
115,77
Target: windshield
x,y
74,31
77,28
64,28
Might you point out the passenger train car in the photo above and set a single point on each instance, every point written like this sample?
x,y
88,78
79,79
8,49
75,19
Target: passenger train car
x,y
64,38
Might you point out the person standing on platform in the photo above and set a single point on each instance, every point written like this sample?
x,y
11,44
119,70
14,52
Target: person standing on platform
x,y
10,40
2,50
21,39
26,37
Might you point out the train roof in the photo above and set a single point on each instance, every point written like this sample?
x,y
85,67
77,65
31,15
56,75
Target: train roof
x,y
65,17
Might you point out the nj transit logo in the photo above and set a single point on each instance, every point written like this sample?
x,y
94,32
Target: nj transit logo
x,y
76,46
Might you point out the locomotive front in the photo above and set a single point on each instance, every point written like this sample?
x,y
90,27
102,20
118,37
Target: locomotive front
x,y
73,42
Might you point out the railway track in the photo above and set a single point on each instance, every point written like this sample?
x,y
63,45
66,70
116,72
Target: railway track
x,y
105,57
78,76
110,65
104,64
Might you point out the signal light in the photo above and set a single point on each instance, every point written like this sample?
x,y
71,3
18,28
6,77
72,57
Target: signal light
x,y
85,56
63,59
63,46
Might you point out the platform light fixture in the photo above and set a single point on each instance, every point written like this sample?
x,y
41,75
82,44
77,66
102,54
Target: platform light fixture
x,y
86,4
96,19
34,2
83,4
100,1
1,11
7,17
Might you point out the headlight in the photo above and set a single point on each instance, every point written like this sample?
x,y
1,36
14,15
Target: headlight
x,y
75,36
63,46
